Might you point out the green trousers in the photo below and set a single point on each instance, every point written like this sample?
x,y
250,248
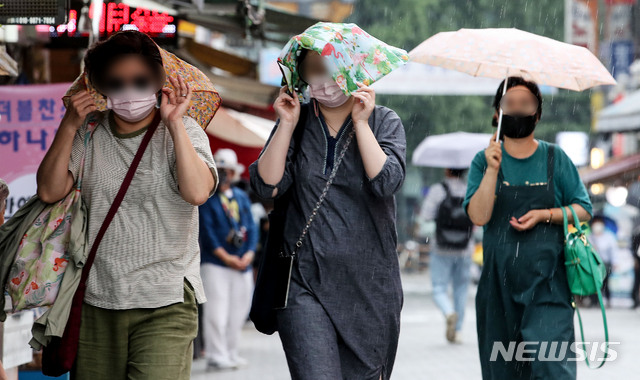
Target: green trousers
x,y
138,344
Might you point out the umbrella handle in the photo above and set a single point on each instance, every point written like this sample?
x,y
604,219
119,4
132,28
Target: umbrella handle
x,y
504,91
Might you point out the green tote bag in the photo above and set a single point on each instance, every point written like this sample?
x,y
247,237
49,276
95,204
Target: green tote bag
x,y
585,272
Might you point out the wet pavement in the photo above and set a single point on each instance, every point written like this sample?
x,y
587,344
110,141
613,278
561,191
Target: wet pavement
x,y
423,351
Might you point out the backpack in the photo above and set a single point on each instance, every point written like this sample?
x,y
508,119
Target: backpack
x,y
453,226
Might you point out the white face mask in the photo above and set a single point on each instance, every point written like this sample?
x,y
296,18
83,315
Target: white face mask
x,y
132,105
327,92
597,228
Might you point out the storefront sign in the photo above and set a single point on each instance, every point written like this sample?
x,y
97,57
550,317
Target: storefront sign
x,y
621,57
115,17
33,12
581,23
29,118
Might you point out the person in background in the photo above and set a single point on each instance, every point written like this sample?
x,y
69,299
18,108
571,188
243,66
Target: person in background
x,y
450,260
4,194
635,252
516,189
606,244
228,238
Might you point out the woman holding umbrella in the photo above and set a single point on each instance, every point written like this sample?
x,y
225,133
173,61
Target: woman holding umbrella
x,y
515,190
343,315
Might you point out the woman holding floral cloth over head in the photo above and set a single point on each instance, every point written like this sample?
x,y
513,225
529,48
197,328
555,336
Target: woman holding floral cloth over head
x,y
139,316
343,315
516,189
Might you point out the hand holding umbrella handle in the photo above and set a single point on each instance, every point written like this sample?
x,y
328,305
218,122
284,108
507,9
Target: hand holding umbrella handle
x,y
493,155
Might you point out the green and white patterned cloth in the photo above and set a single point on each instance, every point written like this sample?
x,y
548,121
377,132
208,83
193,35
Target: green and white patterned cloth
x,y
351,55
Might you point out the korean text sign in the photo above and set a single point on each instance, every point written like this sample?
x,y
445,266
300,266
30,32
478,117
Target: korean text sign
x,y
29,118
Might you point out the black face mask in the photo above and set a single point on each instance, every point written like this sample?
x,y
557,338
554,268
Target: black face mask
x,y
516,127
223,176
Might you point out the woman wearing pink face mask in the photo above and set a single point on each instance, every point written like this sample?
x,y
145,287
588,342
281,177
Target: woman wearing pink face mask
x,y
139,316
342,320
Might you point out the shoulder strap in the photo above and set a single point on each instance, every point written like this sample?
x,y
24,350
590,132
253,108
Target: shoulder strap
x,y
227,211
323,195
118,199
550,164
446,188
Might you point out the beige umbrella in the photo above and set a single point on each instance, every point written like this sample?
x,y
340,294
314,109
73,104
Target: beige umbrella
x,y
500,53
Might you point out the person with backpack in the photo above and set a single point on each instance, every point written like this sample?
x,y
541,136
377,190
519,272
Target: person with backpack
x,y
450,260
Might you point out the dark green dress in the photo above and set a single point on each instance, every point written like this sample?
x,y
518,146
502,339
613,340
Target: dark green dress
x,y
523,293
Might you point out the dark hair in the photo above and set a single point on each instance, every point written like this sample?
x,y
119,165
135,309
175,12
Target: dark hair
x,y
102,55
519,81
299,59
457,172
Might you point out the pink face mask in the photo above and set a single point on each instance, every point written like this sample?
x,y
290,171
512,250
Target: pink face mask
x,y
327,92
132,105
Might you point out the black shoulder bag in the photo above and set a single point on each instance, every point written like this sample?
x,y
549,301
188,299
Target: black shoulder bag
x,y
271,292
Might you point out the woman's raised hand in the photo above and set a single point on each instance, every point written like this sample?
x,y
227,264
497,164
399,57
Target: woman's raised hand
x,y
175,103
287,107
80,106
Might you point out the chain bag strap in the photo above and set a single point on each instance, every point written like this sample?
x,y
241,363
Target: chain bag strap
x,y
323,195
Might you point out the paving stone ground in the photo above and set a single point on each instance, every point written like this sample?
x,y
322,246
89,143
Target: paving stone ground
x,y
423,352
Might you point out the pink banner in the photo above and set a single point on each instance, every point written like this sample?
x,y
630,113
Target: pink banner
x,y
29,118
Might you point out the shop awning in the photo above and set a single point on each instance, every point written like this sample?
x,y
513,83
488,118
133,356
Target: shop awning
x,y
233,89
621,170
276,25
622,116
240,128
234,64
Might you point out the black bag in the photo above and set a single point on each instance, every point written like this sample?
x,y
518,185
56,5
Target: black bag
x,y
453,226
272,285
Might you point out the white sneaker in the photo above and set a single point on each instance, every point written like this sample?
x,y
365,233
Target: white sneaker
x,y
220,365
240,362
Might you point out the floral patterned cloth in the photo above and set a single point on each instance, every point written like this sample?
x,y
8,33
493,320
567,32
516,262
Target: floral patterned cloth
x,y
351,55
46,248
205,100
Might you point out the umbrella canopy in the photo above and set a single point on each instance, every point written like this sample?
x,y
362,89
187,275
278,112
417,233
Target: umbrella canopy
x,y
451,150
205,100
351,55
240,128
499,53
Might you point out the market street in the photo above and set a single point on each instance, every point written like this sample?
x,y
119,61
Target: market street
x,y
424,353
